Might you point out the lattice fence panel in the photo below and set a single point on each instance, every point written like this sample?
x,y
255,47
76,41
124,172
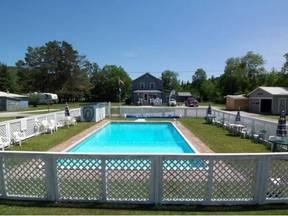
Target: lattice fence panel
x,y
75,112
15,127
191,112
277,185
30,127
184,180
50,117
79,178
3,130
41,118
201,112
25,177
59,116
180,112
234,180
128,179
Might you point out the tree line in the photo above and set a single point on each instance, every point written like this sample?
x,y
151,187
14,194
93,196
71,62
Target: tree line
x,y
56,67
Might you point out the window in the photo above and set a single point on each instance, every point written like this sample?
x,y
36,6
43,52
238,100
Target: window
x,y
152,85
142,85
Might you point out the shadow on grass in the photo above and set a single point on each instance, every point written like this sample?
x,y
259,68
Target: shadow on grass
x,y
150,208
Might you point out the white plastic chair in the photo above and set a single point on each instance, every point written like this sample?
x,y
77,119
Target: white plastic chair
x,y
4,142
18,137
53,125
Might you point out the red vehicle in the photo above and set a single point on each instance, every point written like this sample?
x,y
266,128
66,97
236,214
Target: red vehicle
x,y
191,102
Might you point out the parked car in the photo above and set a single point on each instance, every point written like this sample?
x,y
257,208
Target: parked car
x,y
172,102
191,102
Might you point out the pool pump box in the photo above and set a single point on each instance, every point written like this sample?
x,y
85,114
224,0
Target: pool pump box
x,y
92,112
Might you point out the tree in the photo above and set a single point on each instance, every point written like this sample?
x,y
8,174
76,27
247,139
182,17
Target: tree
x,y
242,74
208,90
54,67
6,79
285,66
106,84
170,81
198,79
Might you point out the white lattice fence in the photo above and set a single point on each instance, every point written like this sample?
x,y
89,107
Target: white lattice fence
x,y
162,111
254,124
28,125
197,179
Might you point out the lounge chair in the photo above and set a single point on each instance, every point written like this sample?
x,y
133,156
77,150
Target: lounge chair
x,y
69,120
260,137
47,127
54,125
4,142
18,137
246,133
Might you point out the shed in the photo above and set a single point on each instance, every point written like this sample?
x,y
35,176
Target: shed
x,y
270,100
182,96
12,102
236,102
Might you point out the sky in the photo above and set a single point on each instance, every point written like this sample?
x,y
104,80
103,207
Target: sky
x,y
150,35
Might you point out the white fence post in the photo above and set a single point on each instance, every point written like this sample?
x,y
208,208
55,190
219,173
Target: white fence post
x,y
51,176
261,179
2,181
210,180
104,180
156,186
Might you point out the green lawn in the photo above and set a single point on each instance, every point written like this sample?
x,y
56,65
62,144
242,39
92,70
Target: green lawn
x,y
52,106
6,118
30,208
221,106
219,139
47,141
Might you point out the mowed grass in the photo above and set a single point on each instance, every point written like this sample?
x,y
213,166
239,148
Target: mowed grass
x,y
30,208
59,106
219,139
46,141
6,118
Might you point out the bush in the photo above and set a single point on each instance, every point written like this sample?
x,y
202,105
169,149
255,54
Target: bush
x,y
34,100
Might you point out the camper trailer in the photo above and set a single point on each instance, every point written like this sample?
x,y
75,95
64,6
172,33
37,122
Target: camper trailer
x,y
45,98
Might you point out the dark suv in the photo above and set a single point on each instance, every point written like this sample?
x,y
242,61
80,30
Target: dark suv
x,y
191,102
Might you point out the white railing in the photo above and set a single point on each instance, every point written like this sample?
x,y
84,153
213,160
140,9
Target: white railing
x,y
28,124
143,111
252,123
255,125
207,179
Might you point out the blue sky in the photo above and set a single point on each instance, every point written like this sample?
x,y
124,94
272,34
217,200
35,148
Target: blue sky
x,y
149,35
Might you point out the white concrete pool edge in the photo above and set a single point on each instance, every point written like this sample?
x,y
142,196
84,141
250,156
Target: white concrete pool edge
x,y
195,151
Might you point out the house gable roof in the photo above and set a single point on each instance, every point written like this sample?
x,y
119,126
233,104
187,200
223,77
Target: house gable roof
x,y
272,90
145,75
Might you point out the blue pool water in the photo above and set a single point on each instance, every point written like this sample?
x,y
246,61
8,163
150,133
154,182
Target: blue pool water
x,y
130,137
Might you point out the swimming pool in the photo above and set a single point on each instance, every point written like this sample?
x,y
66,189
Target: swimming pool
x,y
134,137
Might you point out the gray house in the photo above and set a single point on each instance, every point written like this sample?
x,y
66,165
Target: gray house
x,y
147,89
268,100
11,102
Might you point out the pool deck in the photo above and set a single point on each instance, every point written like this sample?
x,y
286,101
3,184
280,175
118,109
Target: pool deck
x,y
195,141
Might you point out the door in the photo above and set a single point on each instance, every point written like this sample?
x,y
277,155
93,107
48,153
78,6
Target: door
x,y
266,105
